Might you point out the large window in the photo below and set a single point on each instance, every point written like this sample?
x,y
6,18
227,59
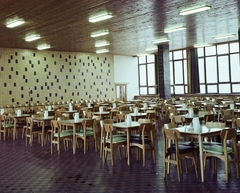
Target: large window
x,y
219,68
178,71
147,78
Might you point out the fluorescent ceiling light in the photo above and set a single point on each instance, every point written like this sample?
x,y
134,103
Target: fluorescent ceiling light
x,y
224,36
174,29
43,47
99,33
101,44
11,23
100,17
151,49
32,37
158,41
102,51
194,10
202,45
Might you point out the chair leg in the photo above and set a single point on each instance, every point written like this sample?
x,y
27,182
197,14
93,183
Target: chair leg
x,y
105,151
226,170
178,169
58,147
85,144
144,156
195,165
100,149
5,135
51,147
112,156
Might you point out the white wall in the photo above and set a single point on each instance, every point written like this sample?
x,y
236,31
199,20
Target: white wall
x,y
126,71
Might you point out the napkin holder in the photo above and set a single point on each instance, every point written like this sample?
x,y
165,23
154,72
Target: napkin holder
x,y
76,117
135,110
128,120
45,114
19,112
100,109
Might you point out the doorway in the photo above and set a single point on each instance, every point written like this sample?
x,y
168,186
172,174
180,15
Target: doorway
x,y
121,91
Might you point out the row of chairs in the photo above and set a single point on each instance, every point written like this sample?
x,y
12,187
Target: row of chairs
x,y
90,132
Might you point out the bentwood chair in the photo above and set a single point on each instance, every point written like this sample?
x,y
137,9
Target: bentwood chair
x,y
58,135
178,120
87,133
110,141
144,141
5,127
105,121
228,154
97,119
173,152
32,130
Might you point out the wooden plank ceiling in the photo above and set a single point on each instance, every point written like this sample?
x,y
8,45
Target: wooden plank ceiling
x,y
135,23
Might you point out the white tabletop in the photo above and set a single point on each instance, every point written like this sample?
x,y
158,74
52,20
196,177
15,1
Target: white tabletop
x,y
124,125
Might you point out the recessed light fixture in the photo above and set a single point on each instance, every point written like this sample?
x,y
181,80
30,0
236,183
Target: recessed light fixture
x,y
194,10
102,43
11,23
140,55
32,37
174,29
202,45
43,46
102,51
100,17
151,49
158,41
99,33
224,36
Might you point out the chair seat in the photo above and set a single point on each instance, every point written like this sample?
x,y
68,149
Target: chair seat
x,y
187,143
117,140
9,125
182,149
63,134
216,149
139,140
88,133
19,124
36,128
208,143
68,131
137,136
119,136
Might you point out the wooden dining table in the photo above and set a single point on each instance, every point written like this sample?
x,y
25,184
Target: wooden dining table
x,y
74,124
200,134
43,121
70,112
102,114
15,119
137,116
127,128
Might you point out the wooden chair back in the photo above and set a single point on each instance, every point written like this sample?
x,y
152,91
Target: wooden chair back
x,y
178,119
215,125
120,117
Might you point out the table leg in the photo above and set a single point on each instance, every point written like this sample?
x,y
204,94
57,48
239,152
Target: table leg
x,y
200,140
14,128
74,139
43,128
128,146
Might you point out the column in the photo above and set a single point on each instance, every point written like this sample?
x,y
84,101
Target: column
x,y
163,70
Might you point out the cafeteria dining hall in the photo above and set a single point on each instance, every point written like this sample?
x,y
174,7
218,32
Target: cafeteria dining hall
x,y
119,96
